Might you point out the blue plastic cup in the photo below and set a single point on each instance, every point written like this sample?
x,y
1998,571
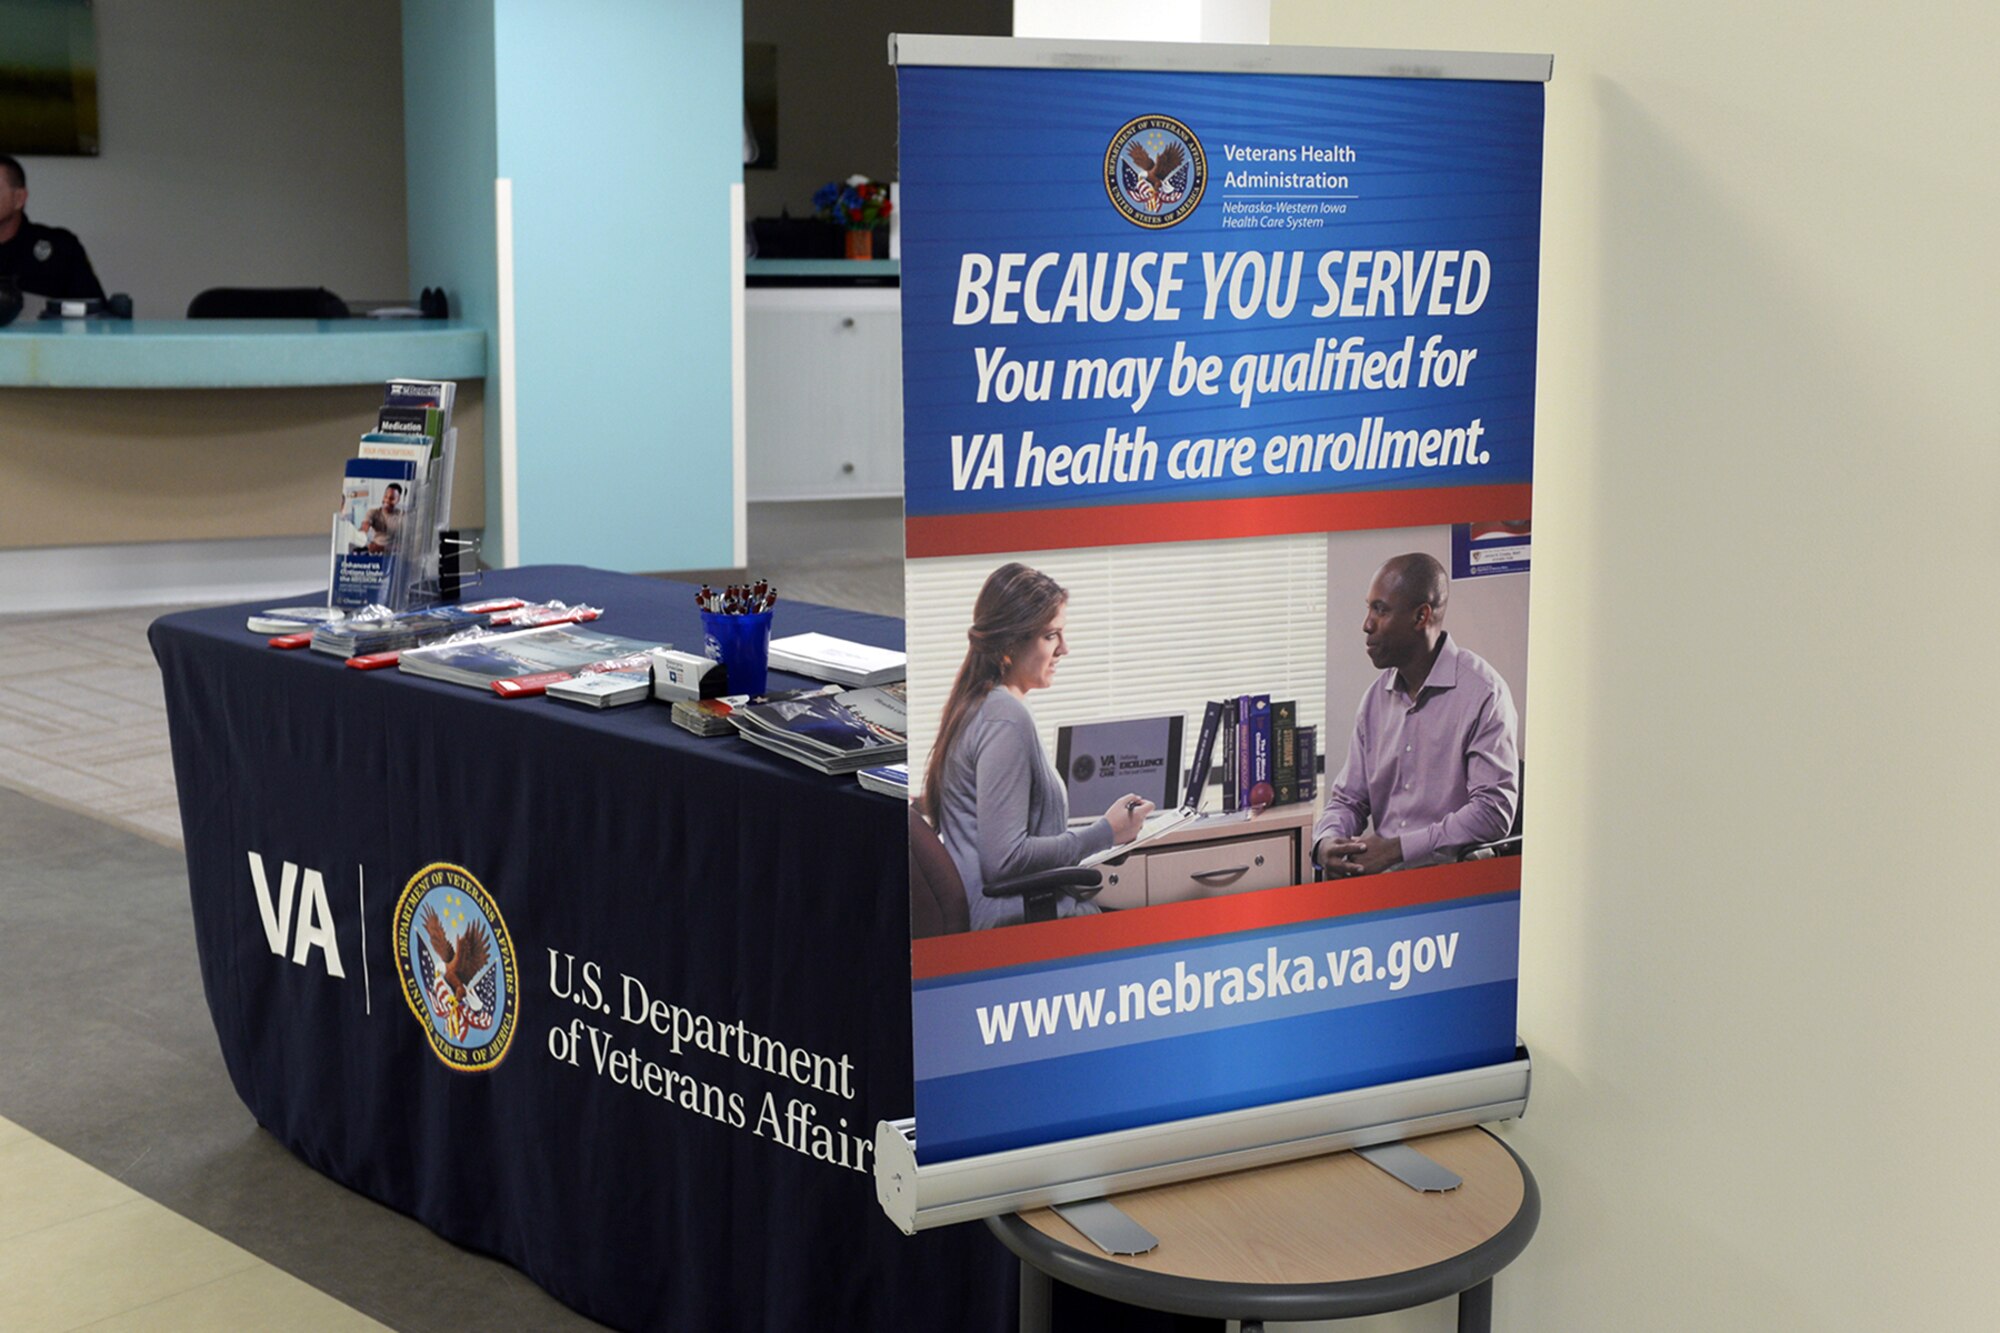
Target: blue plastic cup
x,y
743,645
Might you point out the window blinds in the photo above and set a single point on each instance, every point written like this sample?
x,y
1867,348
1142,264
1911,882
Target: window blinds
x,y
1152,630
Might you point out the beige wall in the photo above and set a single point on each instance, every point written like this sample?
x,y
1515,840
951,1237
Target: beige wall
x,y
246,143
1762,900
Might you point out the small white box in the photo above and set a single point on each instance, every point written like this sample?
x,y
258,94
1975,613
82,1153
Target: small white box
x,y
678,675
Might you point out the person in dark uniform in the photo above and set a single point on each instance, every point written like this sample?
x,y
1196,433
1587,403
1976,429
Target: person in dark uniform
x,y
46,261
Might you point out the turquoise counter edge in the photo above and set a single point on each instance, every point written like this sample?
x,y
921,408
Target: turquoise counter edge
x,y
235,354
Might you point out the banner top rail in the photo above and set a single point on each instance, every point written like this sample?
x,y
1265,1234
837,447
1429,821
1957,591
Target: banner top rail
x,y
1217,58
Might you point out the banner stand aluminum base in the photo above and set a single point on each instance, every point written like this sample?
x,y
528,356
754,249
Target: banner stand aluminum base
x,y
917,1197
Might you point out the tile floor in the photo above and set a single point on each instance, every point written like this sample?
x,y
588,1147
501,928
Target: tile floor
x,y
79,1250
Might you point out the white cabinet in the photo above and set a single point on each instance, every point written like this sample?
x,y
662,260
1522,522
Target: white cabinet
x,y
824,389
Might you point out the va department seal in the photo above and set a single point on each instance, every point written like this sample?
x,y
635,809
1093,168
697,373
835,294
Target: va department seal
x,y
456,962
1155,171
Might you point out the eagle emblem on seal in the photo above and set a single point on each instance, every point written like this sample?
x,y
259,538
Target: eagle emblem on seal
x,y
458,976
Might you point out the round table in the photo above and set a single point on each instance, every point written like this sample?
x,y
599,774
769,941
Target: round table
x,y
1328,1237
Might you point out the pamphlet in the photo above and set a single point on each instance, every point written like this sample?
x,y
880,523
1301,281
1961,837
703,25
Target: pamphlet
x,y
887,779
368,532
824,657
605,689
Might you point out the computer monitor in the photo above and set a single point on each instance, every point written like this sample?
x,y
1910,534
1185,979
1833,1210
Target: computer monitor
x,y
1101,761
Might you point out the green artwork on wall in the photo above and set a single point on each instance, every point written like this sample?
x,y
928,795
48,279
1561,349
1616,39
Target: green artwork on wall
x,y
48,77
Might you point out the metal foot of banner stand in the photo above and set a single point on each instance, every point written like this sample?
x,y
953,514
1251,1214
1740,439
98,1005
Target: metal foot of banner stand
x,y
1411,1167
1108,1227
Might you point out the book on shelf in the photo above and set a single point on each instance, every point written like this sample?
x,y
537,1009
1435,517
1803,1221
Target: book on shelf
x,y
1242,752
1229,753
1284,750
520,662
886,779
824,657
1204,754
1308,760
833,733
1260,793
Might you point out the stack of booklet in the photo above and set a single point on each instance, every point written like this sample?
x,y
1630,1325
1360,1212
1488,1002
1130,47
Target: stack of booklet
x,y
395,498
359,636
525,661
710,717
292,619
889,780
623,683
833,733
842,661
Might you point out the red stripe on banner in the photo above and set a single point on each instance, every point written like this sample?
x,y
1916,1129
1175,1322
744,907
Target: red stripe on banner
x,y
1012,946
1207,520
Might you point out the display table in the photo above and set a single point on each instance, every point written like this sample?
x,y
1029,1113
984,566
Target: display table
x,y
1329,1237
710,1005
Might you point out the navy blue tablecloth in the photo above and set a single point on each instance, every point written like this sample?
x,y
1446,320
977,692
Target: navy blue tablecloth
x,y
730,883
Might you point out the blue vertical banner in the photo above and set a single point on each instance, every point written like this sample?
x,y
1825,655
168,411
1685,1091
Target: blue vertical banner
x,y
1179,304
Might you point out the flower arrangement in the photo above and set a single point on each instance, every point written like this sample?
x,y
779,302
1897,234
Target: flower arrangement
x,y
858,204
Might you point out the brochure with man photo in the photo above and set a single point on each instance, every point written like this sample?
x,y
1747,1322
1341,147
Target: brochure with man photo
x,y
368,532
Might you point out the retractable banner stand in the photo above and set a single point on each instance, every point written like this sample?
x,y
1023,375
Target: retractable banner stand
x,y
1219,388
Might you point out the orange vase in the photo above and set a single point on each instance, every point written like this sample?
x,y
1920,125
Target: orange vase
x,y
860,243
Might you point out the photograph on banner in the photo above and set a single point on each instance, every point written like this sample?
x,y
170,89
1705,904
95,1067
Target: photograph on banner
x,y
1095,679
1215,760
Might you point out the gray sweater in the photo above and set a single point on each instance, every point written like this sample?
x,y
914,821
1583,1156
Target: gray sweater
x,y
1005,812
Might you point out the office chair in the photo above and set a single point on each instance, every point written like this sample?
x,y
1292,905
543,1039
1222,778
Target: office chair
x,y
937,894
1511,844
267,303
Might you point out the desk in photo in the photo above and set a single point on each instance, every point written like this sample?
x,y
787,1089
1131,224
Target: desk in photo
x,y
1234,853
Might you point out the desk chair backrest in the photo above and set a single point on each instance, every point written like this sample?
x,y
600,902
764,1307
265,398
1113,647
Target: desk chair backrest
x,y
937,894
267,303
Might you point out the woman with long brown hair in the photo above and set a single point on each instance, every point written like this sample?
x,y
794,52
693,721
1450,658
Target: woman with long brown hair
x,y
997,803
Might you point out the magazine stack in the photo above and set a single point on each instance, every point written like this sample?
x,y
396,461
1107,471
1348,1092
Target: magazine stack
x,y
833,733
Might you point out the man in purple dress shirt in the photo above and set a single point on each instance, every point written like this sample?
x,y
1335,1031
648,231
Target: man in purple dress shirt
x,y
1433,763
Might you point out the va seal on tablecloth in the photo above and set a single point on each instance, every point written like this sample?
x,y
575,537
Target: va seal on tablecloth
x,y
1155,171
456,962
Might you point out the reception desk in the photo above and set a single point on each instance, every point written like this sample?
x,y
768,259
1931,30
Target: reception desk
x,y
115,431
